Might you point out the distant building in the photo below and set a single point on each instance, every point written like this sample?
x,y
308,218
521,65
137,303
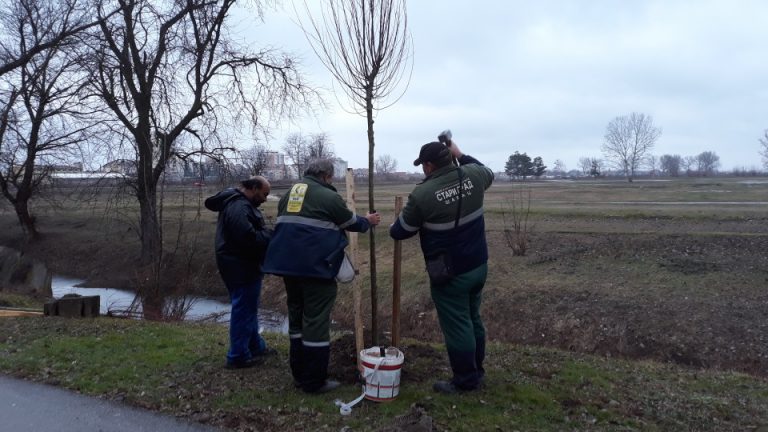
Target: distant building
x,y
125,167
275,168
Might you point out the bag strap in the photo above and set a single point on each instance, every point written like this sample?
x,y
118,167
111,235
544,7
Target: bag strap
x,y
461,192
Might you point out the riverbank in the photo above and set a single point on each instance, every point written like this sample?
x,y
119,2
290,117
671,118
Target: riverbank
x,y
177,369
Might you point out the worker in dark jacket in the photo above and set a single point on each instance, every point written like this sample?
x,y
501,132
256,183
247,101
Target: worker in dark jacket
x,y
241,244
446,209
307,250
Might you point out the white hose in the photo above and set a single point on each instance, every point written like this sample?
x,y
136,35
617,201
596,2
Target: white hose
x,y
346,408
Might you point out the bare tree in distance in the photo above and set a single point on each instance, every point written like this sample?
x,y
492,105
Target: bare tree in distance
x,y
296,147
585,163
255,159
670,165
366,45
707,163
596,167
591,166
40,109
652,161
320,146
385,165
172,77
559,168
764,150
628,139
689,164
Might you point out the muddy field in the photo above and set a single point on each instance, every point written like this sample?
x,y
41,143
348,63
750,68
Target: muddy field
x,y
611,269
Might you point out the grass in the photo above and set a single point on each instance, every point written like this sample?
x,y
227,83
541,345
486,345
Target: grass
x,y
177,369
12,300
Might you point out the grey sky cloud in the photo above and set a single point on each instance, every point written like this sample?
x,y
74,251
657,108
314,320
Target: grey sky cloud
x,y
546,77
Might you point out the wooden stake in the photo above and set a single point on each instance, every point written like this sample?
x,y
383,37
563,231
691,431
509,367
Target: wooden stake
x,y
396,270
357,296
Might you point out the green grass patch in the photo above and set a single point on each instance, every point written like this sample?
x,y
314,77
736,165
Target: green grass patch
x,y
178,369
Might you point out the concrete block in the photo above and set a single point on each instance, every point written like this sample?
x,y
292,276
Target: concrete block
x,y
71,307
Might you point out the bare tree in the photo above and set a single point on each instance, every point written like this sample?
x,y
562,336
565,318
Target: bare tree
x,y
172,75
764,150
40,103
56,22
652,161
255,159
689,163
559,168
296,147
320,146
707,162
670,164
627,141
596,167
366,45
585,163
385,165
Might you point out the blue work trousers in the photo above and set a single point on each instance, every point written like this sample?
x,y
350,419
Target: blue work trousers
x,y
244,338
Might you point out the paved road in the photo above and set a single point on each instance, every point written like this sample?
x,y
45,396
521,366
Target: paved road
x,y
27,406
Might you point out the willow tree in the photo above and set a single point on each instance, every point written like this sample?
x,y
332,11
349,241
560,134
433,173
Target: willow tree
x,y
367,47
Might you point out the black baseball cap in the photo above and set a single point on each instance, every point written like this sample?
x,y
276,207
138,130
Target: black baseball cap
x,y
431,152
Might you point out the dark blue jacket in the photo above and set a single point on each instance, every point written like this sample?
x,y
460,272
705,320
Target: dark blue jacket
x,y
432,209
241,236
310,236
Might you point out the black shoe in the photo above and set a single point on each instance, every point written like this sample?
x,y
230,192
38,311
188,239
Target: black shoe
x,y
445,387
325,388
251,362
268,352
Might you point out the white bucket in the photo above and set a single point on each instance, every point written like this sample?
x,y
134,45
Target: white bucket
x,y
382,375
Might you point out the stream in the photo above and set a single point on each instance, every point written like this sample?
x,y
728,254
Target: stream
x,y
202,308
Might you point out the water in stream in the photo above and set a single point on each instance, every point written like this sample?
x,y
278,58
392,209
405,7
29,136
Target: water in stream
x,y
202,308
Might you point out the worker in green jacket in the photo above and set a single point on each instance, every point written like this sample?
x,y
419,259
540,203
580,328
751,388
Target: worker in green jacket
x,y
446,209
307,250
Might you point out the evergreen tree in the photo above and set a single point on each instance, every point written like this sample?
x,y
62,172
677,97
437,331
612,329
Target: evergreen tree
x,y
538,167
519,165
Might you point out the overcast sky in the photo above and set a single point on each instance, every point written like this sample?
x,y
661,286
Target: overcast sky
x,y
545,78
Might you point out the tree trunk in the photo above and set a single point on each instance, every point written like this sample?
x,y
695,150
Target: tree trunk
x,y
372,232
149,224
26,220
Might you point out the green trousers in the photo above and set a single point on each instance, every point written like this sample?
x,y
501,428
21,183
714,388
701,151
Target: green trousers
x,y
310,302
458,310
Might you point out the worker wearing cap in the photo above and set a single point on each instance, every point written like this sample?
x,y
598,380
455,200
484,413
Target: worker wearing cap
x,y
446,209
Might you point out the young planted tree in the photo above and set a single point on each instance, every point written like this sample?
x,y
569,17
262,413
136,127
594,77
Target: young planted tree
x,y
171,75
40,112
366,46
628,139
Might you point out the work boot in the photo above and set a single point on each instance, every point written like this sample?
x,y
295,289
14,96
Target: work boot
x,y
445,387
326,387
267,352
243,364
